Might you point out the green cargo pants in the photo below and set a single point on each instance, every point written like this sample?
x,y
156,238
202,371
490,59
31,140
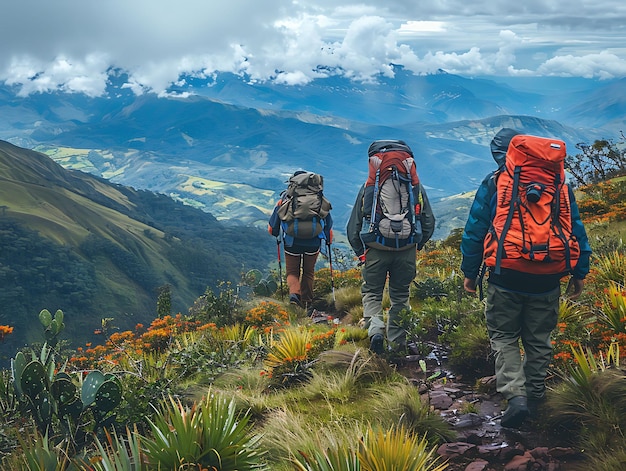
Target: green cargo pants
x,y
400,268
512,316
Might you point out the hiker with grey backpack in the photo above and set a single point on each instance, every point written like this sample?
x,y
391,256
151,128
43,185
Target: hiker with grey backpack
x,y
301,220
391,220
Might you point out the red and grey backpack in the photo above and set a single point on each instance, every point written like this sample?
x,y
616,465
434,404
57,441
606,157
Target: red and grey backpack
x,y
392,200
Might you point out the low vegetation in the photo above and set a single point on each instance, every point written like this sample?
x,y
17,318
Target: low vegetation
x,y
254,384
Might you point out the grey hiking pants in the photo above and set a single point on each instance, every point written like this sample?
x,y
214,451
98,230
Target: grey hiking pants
x,y
512,316
399,267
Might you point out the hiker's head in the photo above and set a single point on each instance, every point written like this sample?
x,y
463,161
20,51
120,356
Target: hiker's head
x,y
298,172
500,143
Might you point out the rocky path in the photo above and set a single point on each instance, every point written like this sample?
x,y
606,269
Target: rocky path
x,y
481,443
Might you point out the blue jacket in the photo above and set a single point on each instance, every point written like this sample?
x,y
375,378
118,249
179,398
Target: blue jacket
x,y
482,212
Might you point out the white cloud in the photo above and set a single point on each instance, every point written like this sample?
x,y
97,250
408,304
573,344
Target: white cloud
x,y
603,65
72,44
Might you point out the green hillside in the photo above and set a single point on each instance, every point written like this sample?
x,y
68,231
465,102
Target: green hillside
x,y
72,241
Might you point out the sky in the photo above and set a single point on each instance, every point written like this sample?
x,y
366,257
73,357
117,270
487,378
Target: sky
x,y
77,45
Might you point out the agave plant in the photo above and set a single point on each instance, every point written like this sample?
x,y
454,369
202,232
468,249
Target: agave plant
x,y
118,454
237,333
209,434
39,454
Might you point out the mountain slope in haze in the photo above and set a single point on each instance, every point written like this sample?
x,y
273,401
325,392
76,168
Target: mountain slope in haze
x,y
229,147
95,250
234,162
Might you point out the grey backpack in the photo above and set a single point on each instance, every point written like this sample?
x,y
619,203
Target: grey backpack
x,y
303,206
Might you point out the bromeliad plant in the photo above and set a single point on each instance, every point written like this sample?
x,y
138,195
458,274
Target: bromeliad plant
x,y
590,403
391,449
207,435
397,449
118,454
288,361
613,313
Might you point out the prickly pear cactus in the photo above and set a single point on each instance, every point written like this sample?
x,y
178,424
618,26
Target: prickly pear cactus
x,y
34,379
266,287
101,393
52,325
272,286
253,277
90,387
108,397
17,369
65,395
33,384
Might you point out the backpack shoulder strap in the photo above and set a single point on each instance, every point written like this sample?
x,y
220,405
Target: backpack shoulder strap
x,y
509,218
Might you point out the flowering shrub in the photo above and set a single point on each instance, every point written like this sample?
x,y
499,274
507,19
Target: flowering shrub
x,y
604,201
340,279
4,331
128,344
440,262
267,315
321,342
596,327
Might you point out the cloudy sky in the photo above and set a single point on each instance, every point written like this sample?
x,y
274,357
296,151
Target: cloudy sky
x,y
74,44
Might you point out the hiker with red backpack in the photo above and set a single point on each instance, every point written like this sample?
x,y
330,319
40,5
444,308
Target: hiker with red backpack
x,y
525,230
301,219
390,220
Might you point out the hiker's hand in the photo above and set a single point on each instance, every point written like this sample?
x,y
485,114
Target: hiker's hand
x,y
330,236
470,285
574,288
361,259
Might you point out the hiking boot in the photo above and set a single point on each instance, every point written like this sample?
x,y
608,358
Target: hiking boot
x,y
535,405
515,413
376,344
294,299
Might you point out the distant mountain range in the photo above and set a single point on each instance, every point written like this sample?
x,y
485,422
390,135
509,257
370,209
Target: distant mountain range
x,y
227,146
96,250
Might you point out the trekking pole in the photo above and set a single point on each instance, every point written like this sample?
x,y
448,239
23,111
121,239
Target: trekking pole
x,y
330,263
280,268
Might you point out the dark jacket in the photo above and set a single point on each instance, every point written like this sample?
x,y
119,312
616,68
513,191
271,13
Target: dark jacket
x,y
300,245
355,223
479,221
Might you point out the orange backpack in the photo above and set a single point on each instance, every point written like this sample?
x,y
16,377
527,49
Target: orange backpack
x,y
531,231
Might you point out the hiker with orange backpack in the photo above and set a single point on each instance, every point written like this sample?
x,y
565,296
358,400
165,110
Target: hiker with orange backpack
x,y
301,219
524,228
390,220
